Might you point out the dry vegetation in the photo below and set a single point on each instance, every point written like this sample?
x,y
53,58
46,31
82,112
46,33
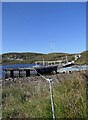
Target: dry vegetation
x,y
30,97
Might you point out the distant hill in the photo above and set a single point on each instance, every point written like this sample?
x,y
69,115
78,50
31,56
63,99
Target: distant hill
x,y
84,58
14,58
28,57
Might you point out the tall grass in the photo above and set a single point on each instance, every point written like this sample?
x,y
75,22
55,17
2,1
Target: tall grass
x,y
30,97
70,97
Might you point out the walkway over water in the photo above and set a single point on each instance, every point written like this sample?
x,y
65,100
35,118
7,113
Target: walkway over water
x,y
21,72
57,62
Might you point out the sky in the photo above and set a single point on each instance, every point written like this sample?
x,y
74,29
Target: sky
x,y
44,27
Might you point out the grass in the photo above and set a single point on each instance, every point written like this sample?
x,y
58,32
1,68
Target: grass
x,y
70,98
30,97
32,57
26,99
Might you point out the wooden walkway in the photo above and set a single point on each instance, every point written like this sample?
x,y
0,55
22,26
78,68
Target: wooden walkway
x,y
26,72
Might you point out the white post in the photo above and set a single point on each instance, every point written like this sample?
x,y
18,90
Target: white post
x,y
66,59
52,101
51,93
43,62
36,63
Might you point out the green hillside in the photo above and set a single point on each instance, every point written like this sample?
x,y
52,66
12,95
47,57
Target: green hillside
x,y
16,58
84,58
